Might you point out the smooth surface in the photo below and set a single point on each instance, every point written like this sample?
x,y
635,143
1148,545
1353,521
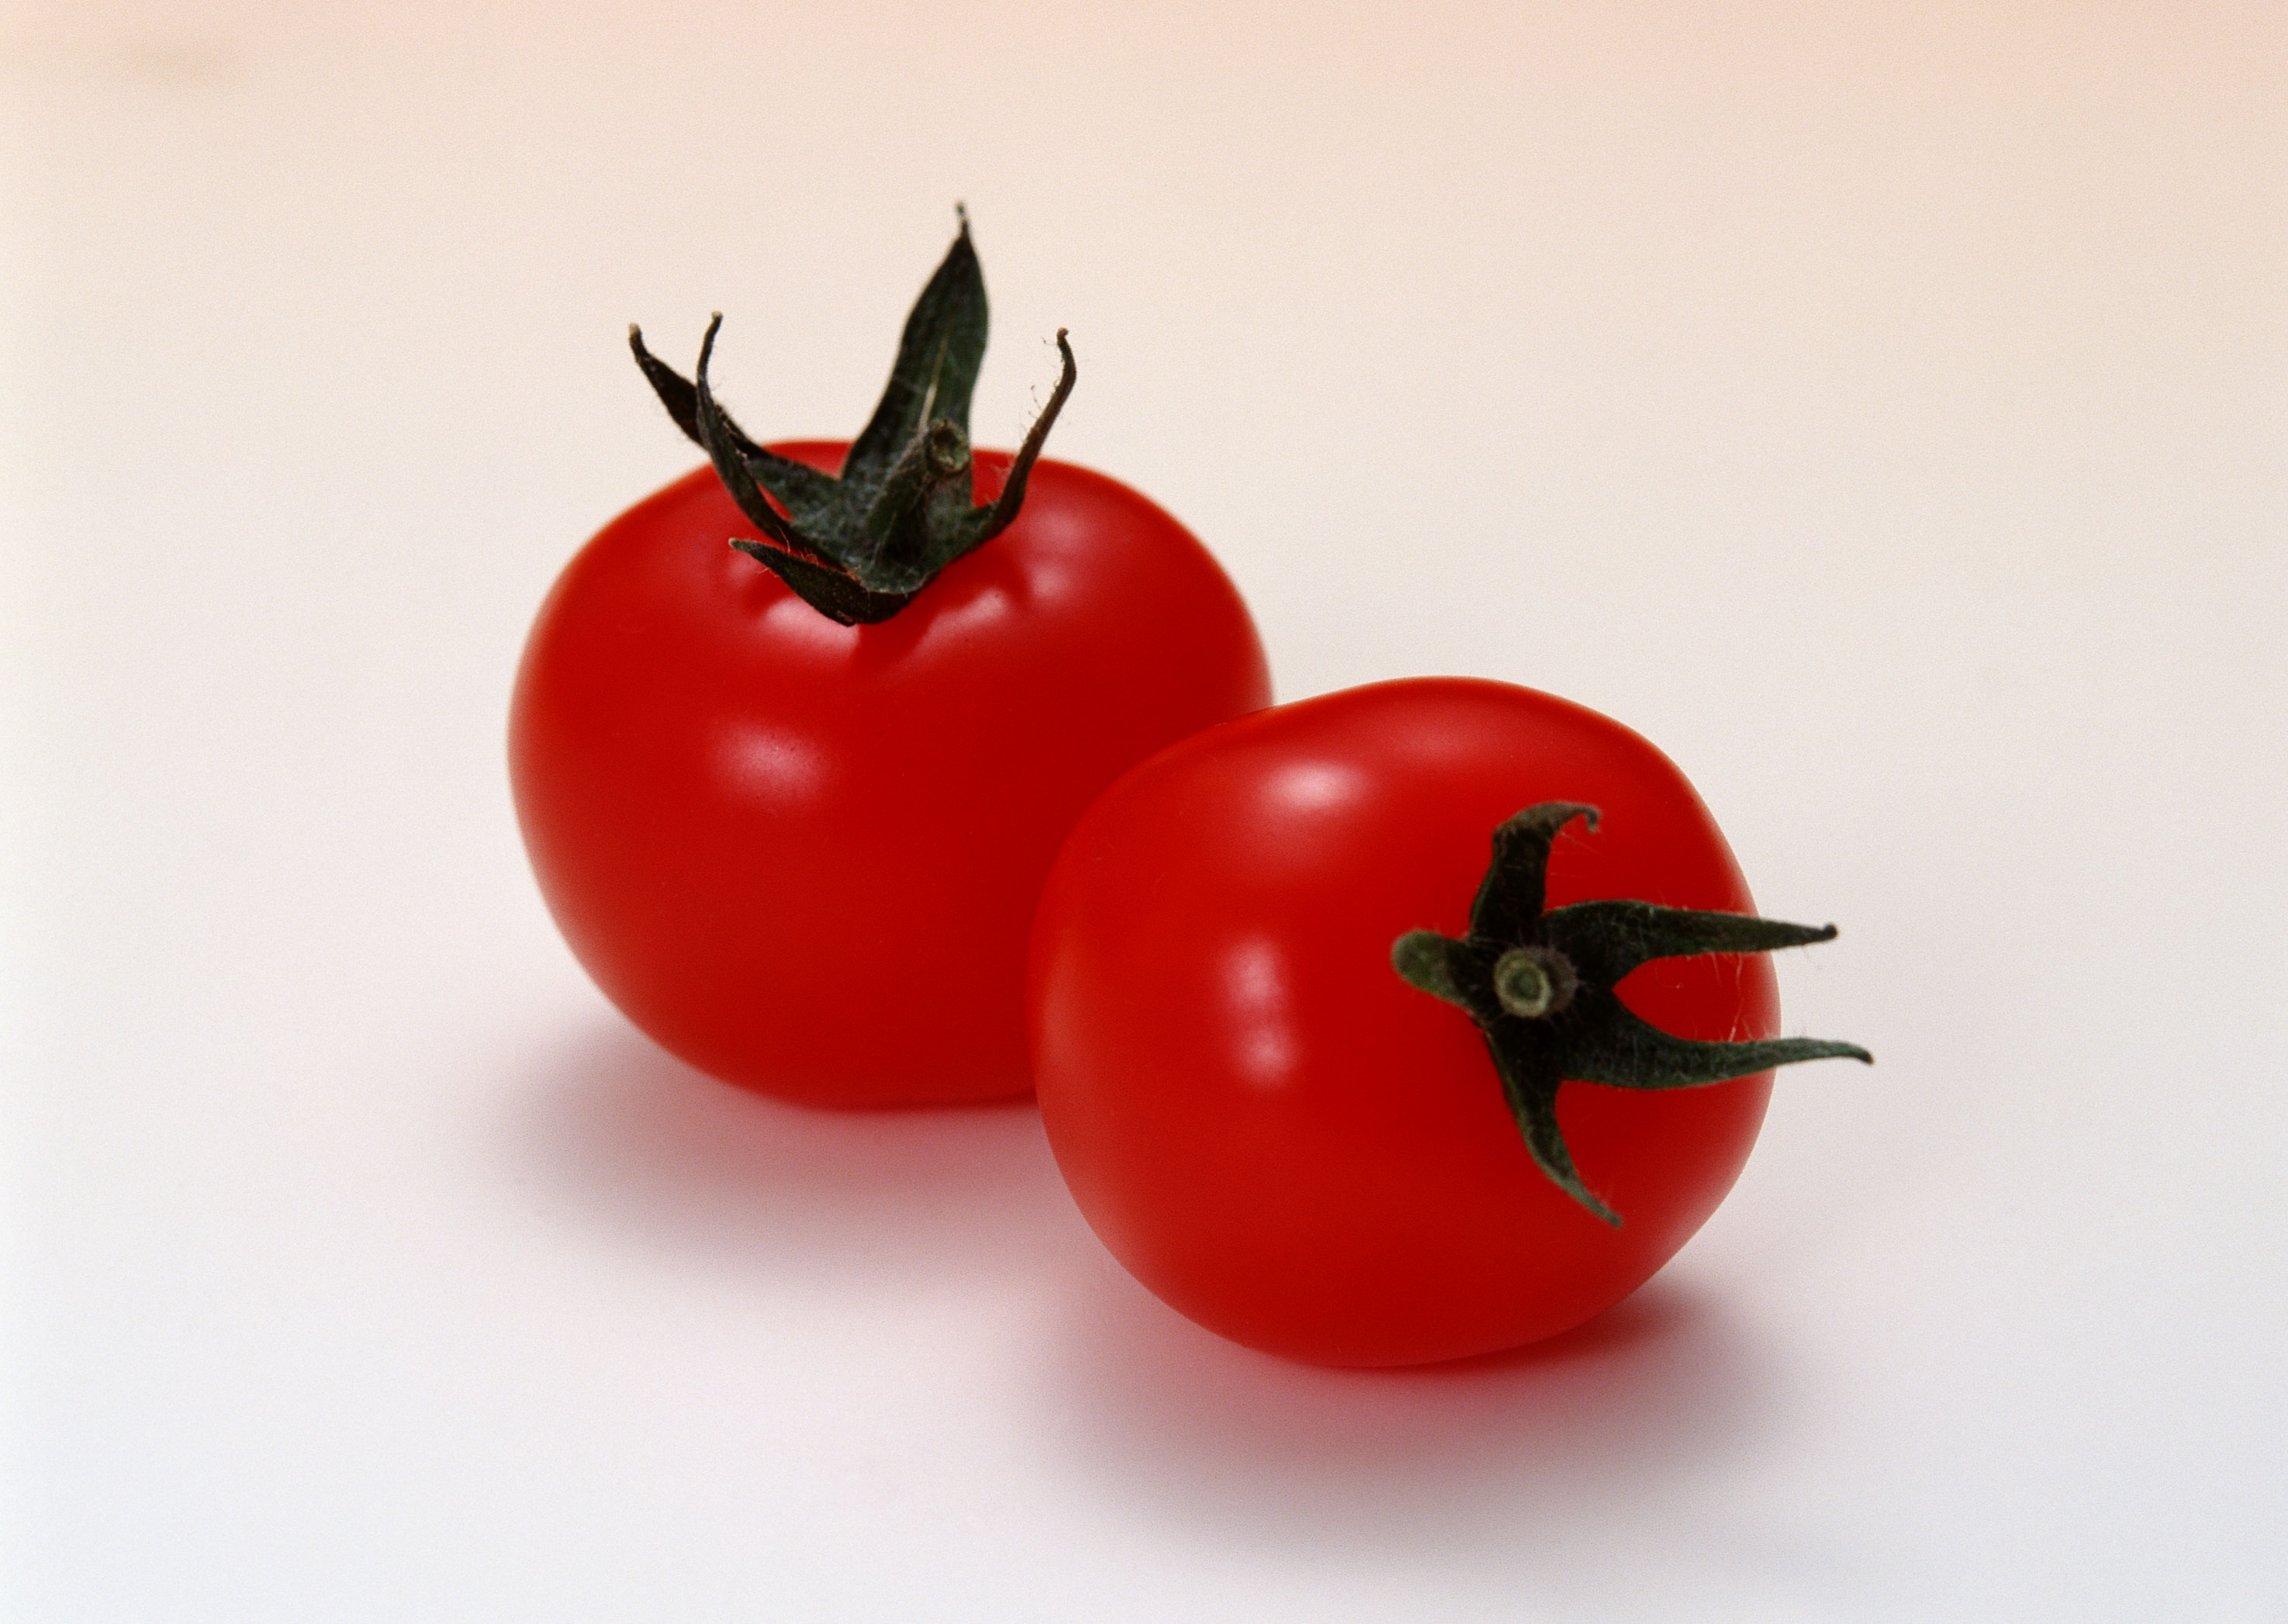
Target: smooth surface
x,y
1881,408
1295,1147
803,857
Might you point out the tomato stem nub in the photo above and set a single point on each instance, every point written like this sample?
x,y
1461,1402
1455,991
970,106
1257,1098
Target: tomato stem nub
x,y
1539,984
1534,981
858,546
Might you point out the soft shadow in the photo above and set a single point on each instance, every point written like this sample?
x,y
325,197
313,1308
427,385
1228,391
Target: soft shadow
x,y
1573,1436
643,1147
1598,1440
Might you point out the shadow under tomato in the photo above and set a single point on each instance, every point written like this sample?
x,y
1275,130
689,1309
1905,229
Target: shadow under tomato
x,y
1599,1440
642,1144
1577,1439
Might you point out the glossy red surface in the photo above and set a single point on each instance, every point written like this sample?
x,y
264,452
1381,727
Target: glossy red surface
x,y
804,856
1283,1140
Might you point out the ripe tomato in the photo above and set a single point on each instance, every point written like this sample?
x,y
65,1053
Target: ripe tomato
x,y
797,839
803,856
1286,1141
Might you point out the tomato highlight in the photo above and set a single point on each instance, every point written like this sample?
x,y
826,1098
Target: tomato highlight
x,y
1284,1140
760,783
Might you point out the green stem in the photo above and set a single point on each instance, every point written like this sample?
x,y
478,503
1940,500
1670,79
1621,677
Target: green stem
x,y
859,546
1540,985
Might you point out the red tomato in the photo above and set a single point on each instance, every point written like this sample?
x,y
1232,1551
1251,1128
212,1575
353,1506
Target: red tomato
x,y
1287,1142
804,855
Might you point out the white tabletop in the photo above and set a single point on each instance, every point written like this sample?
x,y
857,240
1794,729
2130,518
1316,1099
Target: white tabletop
x,y
1884,409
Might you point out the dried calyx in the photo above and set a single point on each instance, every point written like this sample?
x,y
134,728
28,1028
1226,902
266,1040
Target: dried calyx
x,y
1540,988
859,546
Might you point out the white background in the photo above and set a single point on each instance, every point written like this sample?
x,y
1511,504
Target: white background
x,y
1882,407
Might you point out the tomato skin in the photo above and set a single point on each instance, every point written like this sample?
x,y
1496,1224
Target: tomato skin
x,y
804,856
1280,1137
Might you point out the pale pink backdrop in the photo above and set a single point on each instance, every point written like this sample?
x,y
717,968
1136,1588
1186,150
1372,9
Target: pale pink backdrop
x,y
1882,407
